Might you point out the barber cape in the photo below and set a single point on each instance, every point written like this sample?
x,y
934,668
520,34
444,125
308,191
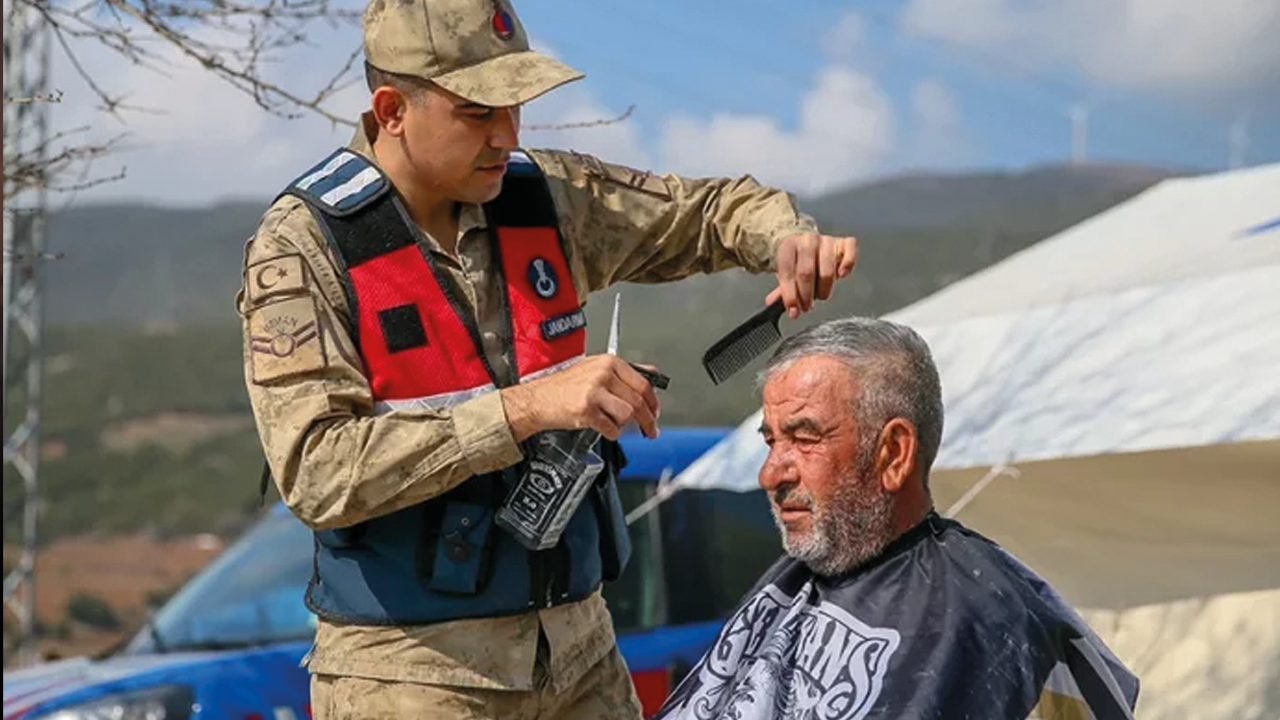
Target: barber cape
x,y
943,624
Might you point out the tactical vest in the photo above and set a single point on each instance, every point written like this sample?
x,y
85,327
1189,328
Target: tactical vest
x,y
446,559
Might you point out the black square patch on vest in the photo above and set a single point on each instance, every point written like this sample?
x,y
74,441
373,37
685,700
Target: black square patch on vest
x,y
402,327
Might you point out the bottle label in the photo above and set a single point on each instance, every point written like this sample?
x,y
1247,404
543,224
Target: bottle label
x,y
534,501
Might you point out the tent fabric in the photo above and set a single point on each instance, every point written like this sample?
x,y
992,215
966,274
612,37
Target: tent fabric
x,y
1136,529
1200,658
1155,324
1180,229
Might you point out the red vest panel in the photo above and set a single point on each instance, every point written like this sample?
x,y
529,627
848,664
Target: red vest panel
x,y
548,326
416,344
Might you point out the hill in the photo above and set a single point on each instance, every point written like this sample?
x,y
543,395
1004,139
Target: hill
x,y
146,420
134,264
930,201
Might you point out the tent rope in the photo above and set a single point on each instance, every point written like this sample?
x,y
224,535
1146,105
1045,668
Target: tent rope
x,y
995,472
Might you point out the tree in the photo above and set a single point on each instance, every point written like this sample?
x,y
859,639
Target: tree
x,y
235,40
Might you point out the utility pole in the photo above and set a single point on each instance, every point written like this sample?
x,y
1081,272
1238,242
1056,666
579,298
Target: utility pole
x,y
1238,141
26,135
1079,133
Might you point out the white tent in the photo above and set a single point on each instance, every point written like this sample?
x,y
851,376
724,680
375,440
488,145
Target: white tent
x,y
1128,369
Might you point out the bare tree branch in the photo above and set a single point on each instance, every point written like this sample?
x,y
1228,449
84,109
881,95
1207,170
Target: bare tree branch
x,y
236,40
42,166
53,97
589,123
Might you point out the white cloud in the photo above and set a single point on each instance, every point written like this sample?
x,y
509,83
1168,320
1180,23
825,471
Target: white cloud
x,y
1171,47
845,130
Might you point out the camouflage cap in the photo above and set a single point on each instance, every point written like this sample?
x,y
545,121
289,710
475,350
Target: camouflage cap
x,y
475,48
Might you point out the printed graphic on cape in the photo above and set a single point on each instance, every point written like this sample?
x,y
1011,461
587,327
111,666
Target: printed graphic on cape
x,y
781,657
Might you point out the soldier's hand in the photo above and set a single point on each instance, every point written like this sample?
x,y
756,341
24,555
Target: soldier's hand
x,y
809,265
601,392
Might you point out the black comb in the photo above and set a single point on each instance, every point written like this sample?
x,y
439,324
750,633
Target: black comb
x,y
744,343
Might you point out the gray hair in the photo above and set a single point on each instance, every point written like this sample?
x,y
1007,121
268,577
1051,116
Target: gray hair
x,y
896,369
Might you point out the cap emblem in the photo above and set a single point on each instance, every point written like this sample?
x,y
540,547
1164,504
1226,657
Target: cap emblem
x,y
503,25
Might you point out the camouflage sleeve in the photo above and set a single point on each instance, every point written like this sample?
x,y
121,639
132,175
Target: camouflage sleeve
x,y
334,462
627,225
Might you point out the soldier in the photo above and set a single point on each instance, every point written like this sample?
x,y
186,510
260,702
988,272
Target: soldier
x,y
412,314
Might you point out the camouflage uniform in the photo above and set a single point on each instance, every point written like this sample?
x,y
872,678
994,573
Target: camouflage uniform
x,y
336,464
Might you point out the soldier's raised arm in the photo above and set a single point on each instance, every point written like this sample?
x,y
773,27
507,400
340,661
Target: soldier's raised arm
x,y
625,224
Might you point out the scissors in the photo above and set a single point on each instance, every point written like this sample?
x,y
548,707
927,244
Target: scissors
x,y
655,378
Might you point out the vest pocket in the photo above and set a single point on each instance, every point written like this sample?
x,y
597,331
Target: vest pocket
x,y
462,549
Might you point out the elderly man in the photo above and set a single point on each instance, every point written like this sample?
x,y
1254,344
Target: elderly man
x,y
881,608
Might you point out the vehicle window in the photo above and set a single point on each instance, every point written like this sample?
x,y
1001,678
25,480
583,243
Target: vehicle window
x,y
251,594
635,598
716,545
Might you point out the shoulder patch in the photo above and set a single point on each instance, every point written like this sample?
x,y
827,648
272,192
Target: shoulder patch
x,y
285,339
341,184
628,177
283,275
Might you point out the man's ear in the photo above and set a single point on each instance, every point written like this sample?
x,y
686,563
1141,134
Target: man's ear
x,y
896,454
389,106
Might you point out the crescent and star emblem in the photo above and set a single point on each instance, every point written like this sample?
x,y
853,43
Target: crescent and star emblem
x,y
270,276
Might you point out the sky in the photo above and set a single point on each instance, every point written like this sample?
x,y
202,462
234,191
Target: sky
x,y
809,95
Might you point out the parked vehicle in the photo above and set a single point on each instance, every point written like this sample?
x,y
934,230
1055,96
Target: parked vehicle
x,y
228,645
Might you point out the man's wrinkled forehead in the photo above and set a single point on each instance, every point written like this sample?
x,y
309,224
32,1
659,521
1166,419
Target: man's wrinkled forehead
x,y
812,392
812,379
789,425
790,412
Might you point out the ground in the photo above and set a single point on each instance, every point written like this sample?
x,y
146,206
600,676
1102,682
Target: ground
x,y
124,573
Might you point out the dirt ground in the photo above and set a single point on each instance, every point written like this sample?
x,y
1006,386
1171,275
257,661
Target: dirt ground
x,y
123,572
